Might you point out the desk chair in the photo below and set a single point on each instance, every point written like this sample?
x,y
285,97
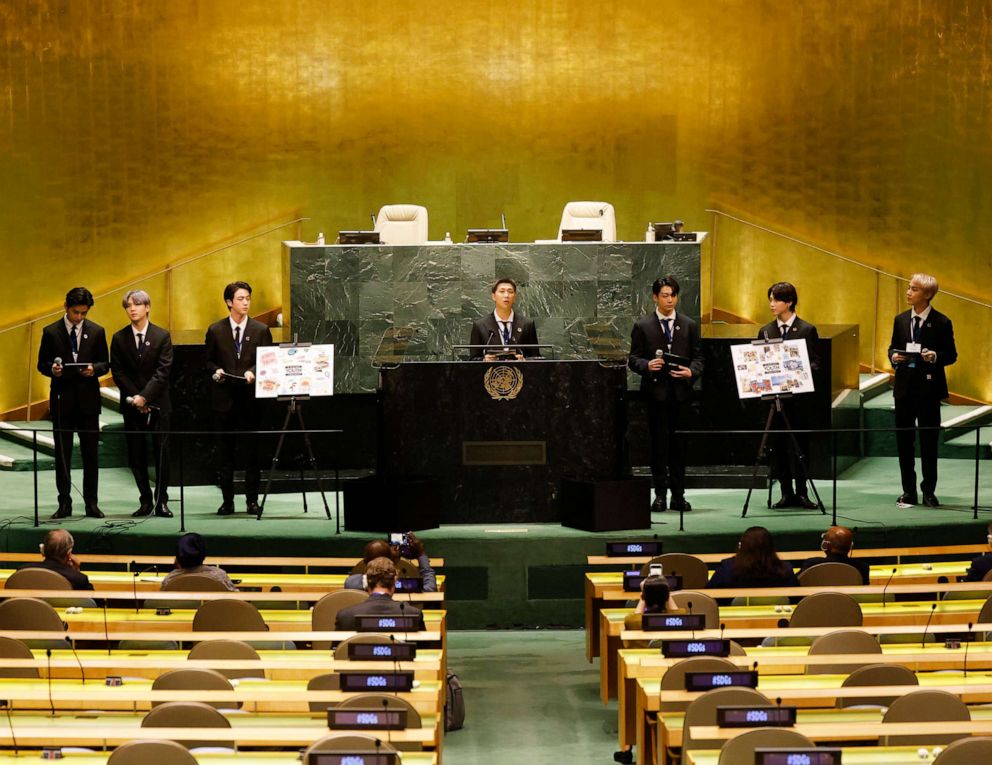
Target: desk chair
x,y
32,578
355,742
674,678
385,701
402,224
830,575
876,674
235,616
195,679
32,614
328,682
701,604
141,752
186,714
190,583
693,571
12,648
227,649
966,751
702,711
591,216
369,638
841,641
925,706
325,612
740,749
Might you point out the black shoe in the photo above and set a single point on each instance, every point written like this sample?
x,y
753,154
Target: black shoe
x,y
92,511
252,508
681,506
659,505
142,511
930,500
226,509
788,500
907,499
624,756
805,502
64,511
163,511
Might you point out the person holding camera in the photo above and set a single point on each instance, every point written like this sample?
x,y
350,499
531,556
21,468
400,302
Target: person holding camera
x,y
402,551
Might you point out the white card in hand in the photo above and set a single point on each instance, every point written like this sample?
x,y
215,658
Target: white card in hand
x,y
914,348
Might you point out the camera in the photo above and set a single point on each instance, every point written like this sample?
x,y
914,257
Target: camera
x,y
402,541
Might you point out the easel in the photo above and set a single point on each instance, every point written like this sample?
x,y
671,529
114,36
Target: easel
x,y
775,407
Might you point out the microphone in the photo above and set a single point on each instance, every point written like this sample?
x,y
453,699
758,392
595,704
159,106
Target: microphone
x,y
130,400
764,332
688,604
887,581
372,216
134,581
82,672
923,641
723,626
385,708
967,643
57,362
502,217
10,724
51,702
106,630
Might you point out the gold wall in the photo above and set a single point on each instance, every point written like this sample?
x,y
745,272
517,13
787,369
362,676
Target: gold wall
x,y
137,132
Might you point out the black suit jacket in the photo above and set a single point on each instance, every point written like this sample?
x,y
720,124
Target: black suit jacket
x,y
979,567
799,330
647,337
936,334
858,563
77,579
221,355
76,394
376,605
147,375
485,331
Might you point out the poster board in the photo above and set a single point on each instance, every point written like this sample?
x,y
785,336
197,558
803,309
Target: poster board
x,y
294,370
764,369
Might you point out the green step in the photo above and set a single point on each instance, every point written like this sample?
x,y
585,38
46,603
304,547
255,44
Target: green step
x,y
879,412
113,449
15,457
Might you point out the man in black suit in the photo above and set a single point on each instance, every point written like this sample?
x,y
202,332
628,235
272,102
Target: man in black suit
x,y
981,565
141,360
56,552
380,577
837,543
788,465
922,345
73,353
503,327
666,386
231,347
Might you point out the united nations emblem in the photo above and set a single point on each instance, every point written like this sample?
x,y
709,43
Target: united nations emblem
x,y
503,383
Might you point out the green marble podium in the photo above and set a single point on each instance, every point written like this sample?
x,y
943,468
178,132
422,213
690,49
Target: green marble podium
x,y
350,295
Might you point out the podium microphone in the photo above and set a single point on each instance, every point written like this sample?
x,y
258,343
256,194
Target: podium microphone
x,y
372,216
887,581
923,641
51,702
967,643
82,673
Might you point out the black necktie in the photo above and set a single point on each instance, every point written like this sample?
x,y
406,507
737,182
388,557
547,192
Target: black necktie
x,y
506,331
667,326
916,329
141,344
73,342
783,330
237,341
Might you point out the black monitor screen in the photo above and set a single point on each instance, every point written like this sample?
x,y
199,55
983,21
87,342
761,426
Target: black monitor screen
x,y
382,651
618,549
672,622
390,623
707,681
682,649
371,719
376,681
814,756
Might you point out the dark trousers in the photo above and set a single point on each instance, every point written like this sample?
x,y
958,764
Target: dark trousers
x,y
667,449
238,446
137,455
912,411
785,463
88,426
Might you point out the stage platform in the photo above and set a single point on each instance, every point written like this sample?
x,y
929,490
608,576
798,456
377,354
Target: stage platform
x,y
503,576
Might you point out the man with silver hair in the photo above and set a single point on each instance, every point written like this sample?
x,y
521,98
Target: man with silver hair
x,y
141,360
922,345
56,553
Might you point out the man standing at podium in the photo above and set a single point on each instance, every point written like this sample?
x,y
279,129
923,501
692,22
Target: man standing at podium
x,y
503,328
666,385
922,345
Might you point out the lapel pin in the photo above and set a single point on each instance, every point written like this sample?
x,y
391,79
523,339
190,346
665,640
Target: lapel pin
x,y
86,337
677,327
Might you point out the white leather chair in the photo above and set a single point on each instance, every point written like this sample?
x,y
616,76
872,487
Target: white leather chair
x,y
590,216
402,224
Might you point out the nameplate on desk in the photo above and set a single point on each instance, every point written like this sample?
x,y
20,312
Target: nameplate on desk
x,y
680,649
632,581
358,237
707,681
353,758
672,622
382,651
484,235
409,584
755,717
617,549
391,623
796,756
376,681
582,235
367,718
684,236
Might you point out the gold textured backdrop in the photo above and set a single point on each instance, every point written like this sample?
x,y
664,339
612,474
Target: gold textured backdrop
x,y
134,133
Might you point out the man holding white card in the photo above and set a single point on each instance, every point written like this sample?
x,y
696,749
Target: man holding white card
x,y
922,345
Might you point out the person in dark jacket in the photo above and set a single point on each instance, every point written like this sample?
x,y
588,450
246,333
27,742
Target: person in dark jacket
x,y
381,577
380,548
756,564
837,543
981,565
57,553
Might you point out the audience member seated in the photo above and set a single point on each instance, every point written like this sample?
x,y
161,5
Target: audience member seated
x,y
380,548
982,564
191,551
655,597
381,577
838,541
57,553
756,564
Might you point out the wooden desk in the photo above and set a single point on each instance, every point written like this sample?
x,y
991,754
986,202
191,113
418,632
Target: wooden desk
x,y
851,755
289,757
131,562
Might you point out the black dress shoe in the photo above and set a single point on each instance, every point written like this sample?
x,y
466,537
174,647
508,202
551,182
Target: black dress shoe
x,y
681,506
659,505
142,511
253,508
64,511
624,756
163,510
226,509
789,500
92,511
907,499
930,500
805,502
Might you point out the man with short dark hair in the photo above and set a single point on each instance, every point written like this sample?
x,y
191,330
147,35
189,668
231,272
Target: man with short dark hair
x,y
380,548
922,345
381,585
231,347
786,463
666,386
56,552
141,360
73,353
837,543
503,328
981,565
